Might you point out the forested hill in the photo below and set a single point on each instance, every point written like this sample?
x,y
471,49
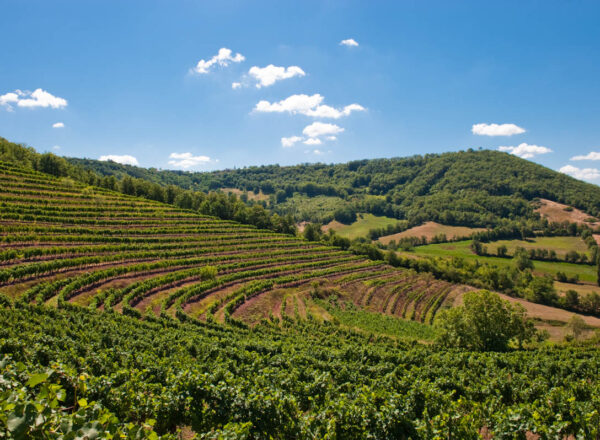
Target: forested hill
x,y
477,188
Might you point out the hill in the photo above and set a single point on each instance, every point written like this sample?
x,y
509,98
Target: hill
x,y
67,242
466,188
131,318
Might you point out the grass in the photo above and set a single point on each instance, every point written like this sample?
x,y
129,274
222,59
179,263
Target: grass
x,y
362,225
461,249
381,324
561,245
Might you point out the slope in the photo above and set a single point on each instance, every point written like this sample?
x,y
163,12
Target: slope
x,y
468,188
64,242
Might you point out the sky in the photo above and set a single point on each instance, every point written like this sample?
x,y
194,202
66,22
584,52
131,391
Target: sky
x,y
199,85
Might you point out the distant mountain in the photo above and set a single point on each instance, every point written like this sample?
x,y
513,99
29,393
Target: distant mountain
x,y
472,188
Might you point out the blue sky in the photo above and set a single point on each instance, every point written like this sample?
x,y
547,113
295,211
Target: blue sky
x,y
126,79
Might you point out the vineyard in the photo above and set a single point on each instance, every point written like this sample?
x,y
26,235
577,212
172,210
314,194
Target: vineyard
x,y
122,317
65,243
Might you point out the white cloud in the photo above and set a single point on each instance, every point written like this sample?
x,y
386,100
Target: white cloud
x,y
331,138
325,111
58,125
317,129
37,98
269,75
581,173
306,105
292,104
318,152
313,141
124,159
350,42
287,142
525,151
56,147
592,155
236,85
496,129
223,58
187,160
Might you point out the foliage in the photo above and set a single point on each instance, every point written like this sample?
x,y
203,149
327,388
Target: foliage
x,y
485,323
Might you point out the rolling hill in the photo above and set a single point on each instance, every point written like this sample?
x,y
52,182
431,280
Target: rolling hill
x,y
124,317
467,188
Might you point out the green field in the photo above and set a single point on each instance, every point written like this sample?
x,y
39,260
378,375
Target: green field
x,y
561,245
361,227
585,272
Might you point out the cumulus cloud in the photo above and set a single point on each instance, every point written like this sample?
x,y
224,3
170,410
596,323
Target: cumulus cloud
x,y
187,160
124,159
292,104
317,129
287,142
58,125
581,173
313,141
223,58
592,155
306,105
37,98
269,75
350,42
525,151
236,85
496,129
56,147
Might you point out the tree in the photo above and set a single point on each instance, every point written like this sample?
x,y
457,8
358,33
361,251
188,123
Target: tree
x,y
312,232
484,323
345,215
522,260
577,326
476,247
502,251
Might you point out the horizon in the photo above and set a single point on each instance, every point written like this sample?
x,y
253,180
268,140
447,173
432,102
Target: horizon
x,y
184,88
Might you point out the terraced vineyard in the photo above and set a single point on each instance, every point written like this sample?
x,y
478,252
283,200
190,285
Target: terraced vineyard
x,y
62,242
132,319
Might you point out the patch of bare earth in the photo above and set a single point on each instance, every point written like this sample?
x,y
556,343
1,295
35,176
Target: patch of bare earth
x,y
430,230
555,212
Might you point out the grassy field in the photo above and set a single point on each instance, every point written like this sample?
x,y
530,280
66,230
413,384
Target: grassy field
x,y
561,245
585,272
361,226
430,230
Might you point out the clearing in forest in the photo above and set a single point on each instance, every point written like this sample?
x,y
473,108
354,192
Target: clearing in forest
x,y
430,230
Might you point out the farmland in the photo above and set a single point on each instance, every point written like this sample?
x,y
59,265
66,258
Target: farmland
x,y
63,242
462,249
227,331
361,227
430,230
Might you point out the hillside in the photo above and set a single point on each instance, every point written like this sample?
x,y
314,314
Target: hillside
x,y
130,318
466,188
63,241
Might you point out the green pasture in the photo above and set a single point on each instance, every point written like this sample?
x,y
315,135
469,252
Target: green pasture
x,y
586,273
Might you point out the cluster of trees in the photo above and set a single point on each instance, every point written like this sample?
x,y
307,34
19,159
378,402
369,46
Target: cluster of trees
x,y
571,256
395,228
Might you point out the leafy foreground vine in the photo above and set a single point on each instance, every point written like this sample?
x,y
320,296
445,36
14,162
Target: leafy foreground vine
x,y
74,373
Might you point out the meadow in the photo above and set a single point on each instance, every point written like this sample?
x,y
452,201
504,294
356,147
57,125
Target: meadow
x,y
586,273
